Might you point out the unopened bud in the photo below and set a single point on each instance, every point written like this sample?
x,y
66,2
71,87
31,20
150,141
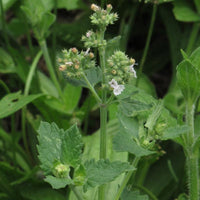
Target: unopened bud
x,y
109,7
74,50
94,7
59,60
76,66
114,71
62,67
91,55
88,34
132,61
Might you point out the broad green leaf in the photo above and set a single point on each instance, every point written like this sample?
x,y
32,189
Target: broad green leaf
x,y
104,171
40,192
46,85
195,58
58,183
71,97
122,142
6,62
174,132
72,147
133,195
57,145
183,11
188,78
14,102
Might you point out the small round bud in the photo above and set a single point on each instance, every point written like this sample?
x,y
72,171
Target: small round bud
x,y
115,15
114,72
109,7
61,170
91,55
76,66
59,60
88,34
74,50
132,61
62,67
94,7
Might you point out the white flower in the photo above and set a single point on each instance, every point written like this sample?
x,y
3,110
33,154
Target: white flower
x,y
113,83
118,90
69,63
88,34
133,70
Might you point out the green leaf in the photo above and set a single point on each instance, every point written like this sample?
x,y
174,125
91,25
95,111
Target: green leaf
x,y
195,58
47,86
94,75
40,192
183,11
104,171
57,145
70,4
130,195
174,132
7,4
6,62
58,183
14,102
122,142
152,118
188,78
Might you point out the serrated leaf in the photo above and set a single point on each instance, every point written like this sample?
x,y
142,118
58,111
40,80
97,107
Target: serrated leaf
x,y
122,142
188,78
183,11
14,102
70,4
104,171
58,183
58,145
94,76
174,132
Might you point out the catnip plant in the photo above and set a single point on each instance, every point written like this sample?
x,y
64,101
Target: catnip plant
x,y
142,119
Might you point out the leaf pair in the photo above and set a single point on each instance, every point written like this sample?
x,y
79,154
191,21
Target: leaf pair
x,y
59,146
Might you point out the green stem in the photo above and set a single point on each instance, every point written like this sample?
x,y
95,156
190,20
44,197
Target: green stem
x,y
103,112
126,179
192,38
145,190
76,192
5,86
143,59
26,91
192,156
45,52
98,99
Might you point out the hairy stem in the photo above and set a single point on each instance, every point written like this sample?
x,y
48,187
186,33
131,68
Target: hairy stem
x,y
103,112
192,156
126,179
143,59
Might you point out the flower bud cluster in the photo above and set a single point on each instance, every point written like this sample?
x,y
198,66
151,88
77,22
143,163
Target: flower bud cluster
x,y
101,17
119,70
73,62
91,39
61,171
